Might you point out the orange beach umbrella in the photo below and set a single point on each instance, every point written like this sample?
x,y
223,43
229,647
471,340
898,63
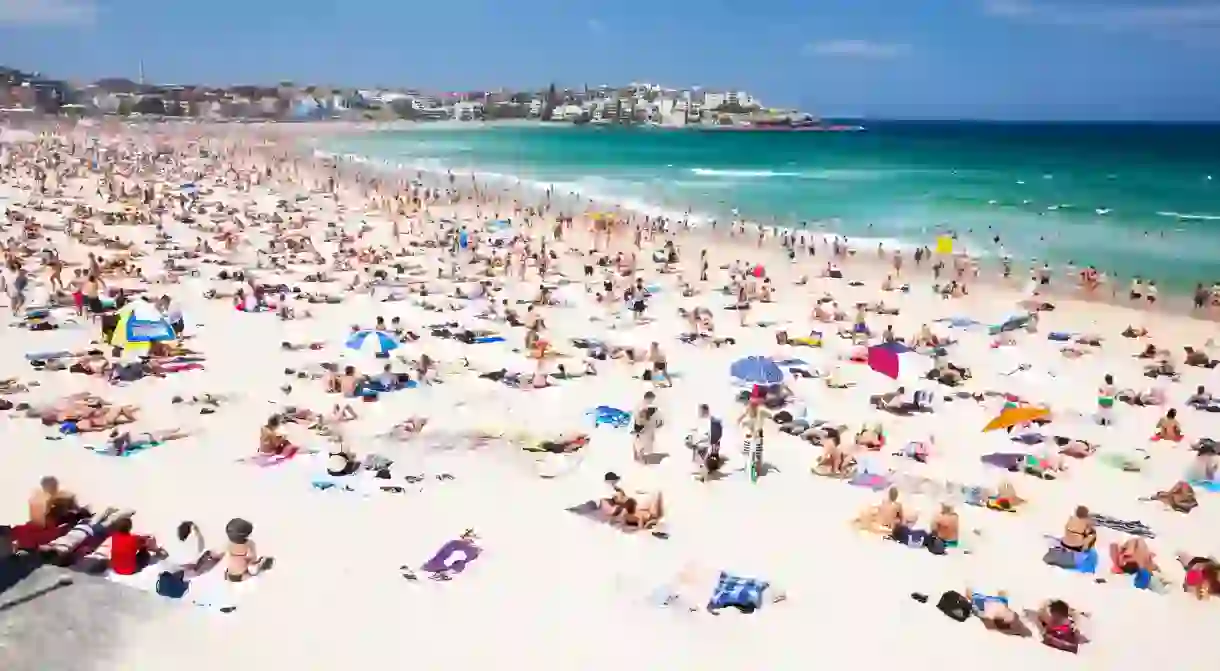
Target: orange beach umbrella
x,y
1022,414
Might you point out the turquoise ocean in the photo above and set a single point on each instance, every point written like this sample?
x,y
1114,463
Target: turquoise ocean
x,y
1128,198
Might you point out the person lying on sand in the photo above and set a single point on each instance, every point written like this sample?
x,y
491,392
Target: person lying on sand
x,y
882,518
120,443
97,418
1181,497
1060,625
299,347
1202,576
409,428
1132,556
871,436
996,612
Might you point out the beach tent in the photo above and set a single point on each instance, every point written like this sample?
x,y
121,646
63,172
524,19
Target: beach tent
x,y
944,244
140,323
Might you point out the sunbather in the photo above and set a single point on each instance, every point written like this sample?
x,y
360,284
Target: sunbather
x,y
882,518
644,512
1133,555
1079,533
1202,576
242,559
1168,428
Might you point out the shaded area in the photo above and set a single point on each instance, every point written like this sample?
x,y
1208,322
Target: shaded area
x,y
52,618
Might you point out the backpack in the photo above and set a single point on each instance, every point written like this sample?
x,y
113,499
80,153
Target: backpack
x,y
956,606
172,584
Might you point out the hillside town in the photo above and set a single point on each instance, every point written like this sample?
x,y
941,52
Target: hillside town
x,y
31,93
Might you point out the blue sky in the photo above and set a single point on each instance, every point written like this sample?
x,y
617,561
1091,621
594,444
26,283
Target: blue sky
x,y
1022,59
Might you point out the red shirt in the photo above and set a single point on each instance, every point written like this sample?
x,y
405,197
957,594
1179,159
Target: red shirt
x,y
124,551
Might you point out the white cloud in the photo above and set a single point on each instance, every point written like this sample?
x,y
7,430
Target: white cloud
x,y
1162,15
47,12
861,49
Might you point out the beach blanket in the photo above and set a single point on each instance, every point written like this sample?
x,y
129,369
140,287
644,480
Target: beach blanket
x,y
591,510
604,414
873,481
1059,336
744,594
1005,460
270,460
47,356
1070,560
1133,527
210,590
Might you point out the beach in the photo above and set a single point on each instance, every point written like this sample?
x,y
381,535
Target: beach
x,y
504,459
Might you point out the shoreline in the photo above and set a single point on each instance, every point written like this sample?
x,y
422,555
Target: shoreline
x,y
1172,300
827,227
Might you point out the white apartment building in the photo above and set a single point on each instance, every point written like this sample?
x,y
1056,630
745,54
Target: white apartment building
x,y
536,107
714,100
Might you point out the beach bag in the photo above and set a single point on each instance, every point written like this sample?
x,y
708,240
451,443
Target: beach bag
x,y
1060,557
934,545
172,584
954,605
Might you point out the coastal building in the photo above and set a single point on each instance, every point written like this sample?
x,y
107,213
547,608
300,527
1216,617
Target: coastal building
x,y
468,111
535,110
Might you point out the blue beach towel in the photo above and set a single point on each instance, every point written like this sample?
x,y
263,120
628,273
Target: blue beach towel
x,y
604,414
1212,486
487,339
745,594
1059,336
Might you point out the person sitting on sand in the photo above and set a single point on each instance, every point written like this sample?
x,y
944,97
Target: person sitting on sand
x,y
946,526
925,338
1168,428
187,551
50,506
1201,398
130,553
882,518
270,441
614,503
834,461
241,556
644,512
1202,576
1133,556
1079,533
349,381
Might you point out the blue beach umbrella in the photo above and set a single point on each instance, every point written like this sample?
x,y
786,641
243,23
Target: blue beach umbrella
x,y
757,370
374,342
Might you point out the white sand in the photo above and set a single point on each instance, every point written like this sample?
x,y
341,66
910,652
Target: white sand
x,y
557,591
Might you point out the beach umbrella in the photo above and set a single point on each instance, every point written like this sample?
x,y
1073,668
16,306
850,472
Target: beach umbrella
x,y
756,370
1013,416
139,324
379,343
883,358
